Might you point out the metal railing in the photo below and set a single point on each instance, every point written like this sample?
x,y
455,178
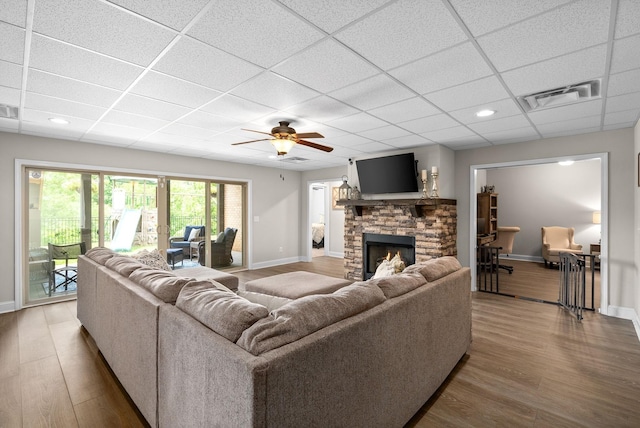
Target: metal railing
x,y
488,262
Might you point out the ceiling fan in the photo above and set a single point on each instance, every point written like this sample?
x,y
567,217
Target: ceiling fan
x,y
284,137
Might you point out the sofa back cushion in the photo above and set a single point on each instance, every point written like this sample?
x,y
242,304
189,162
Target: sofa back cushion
x,y
398,284
221,310
435,269
100,255
308,314
162,284
124,265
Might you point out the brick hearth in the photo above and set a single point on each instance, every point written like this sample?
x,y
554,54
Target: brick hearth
x,y
432,222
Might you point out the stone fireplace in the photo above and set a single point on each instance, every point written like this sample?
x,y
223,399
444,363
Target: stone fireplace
x,y
430,223
376,247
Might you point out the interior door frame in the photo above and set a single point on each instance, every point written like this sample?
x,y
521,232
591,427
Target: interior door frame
x,y
604,204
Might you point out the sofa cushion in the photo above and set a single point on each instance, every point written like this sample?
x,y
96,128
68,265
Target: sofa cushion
x,y
270,302
124,265
162,284
222,311
306,315
396,285
435,269
152,259
100,255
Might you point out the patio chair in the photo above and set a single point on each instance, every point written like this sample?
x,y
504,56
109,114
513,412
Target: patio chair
x,y
220,248
64,276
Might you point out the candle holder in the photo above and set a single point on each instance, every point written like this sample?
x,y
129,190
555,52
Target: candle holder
x,y
434,185
425,192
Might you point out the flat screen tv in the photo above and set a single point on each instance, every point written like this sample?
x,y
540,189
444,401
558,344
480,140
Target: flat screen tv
x,y
389,174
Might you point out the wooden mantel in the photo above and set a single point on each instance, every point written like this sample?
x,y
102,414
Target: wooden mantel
x,y
417,206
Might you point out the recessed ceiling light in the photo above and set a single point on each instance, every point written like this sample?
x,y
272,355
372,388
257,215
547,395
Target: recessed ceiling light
x,y
58,120
485,113
566,163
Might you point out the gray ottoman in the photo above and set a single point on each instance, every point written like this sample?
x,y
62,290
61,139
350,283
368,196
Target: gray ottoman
x,y
294,285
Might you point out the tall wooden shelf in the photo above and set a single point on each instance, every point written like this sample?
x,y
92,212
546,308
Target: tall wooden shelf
x,y
488,213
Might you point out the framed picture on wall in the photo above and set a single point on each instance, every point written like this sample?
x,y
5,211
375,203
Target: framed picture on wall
x,y
335,193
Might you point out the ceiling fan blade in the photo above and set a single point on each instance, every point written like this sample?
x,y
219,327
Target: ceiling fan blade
x,y
251,141
310,135
315,146
259,132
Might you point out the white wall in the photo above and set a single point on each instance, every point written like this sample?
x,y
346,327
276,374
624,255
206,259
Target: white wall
x,y
622,182
534,196
317,203
276,202
636,134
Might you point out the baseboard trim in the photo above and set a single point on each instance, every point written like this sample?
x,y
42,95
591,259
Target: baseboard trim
x,y
336,254
522,257
627,314
277,262
7,307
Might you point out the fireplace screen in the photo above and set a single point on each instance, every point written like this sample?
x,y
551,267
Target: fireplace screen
x,y
377,247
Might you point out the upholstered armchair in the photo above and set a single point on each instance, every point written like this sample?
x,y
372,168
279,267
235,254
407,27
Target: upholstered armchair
x,y
220,248
555,240
191,234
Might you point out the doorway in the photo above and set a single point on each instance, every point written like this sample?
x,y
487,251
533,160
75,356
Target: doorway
x,y
317,216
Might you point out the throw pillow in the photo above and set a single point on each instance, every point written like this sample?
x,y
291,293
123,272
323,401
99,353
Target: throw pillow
x,y
222,311
152,259
220,238
384,269
195,232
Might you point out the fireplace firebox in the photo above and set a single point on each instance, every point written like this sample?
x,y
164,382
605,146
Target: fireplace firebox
x,y
377,247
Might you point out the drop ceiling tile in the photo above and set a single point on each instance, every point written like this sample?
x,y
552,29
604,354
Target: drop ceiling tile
x,y
403,111
72,90
149,107
556,128
200,63
107,140
500,124
44,130
164,139
172,13
402,32
565,70
8,125
322,109
374,92
102,28
9,96
81,64
408,141
12,43
625,54
373,147
627,116
253,30
454,133
571,132
469,94
326,66
188,131
385,133
232,107
14,12
466,144
347,141
579,25
502,108
444,69
41,118
11,75
511,135
275,91
623,83
485,16
134,121
209,121
331,15
427,124
63,107
568,112
114,132
166,88
619,126
357,123
623,102
628,19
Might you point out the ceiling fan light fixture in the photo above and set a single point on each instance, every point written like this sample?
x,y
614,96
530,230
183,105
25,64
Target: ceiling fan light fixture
x,y
282,145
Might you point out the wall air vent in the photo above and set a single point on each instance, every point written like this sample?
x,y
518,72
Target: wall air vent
x,y
294,159
570,94
8,112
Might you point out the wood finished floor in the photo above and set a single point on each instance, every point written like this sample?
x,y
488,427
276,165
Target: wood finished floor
x,y
530,365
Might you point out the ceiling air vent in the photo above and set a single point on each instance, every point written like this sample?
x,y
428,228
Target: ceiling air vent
x,y
8,112
571,94
294,159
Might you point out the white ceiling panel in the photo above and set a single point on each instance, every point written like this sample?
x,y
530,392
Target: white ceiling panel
x,y
117,131
569,112
403,111
502,108
272,90
503,124
42,129
134,120
620,125
357,123
209,121
469,94
431,123
8,125
511,135
347,141
76,124
149,107
383,36
102,28
374,92
628,19
373,147
172,13
58,106
166,88
579,25
200,63
10,96
625,54
448,68
310,67
623,83
555,128
623,102
489,15
385,133
455,133
14,12
408,141
12,74
72,90
233,107
250,29
180,130
12,43
624,117
565,70
322,109
81,64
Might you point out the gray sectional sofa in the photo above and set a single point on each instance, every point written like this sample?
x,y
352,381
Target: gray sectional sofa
x,y
190,352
